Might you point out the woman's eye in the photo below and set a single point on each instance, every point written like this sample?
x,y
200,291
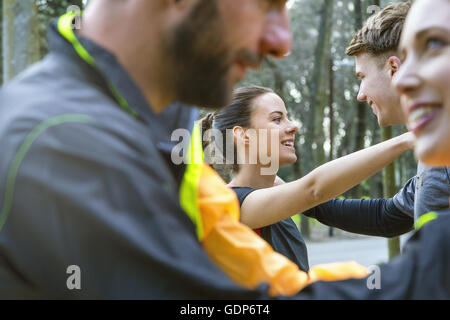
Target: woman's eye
x,y
277,119
434,43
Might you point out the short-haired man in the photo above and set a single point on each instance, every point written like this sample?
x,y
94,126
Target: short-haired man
x,y
374,47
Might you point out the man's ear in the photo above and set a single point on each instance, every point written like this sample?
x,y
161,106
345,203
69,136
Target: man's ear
x,y
394,64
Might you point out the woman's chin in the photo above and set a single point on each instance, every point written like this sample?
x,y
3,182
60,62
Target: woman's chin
x,y
433,156
432,148
285,161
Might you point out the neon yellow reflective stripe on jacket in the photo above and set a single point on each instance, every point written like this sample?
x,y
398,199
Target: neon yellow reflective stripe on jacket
x,y
65,28
191,179
424,219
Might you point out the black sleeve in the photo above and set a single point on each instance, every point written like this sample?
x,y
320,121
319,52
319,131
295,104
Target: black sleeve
x,y
84,197
375,217
242,193
421,273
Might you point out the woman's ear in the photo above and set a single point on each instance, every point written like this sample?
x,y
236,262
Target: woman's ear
x,y
240,135
394,64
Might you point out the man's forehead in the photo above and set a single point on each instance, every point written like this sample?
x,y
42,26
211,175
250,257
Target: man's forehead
x,y
361,62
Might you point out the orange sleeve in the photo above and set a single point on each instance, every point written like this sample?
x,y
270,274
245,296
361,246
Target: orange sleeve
x,y
246,257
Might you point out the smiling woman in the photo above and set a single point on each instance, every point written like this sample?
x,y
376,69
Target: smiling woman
x,y
424,79
267,205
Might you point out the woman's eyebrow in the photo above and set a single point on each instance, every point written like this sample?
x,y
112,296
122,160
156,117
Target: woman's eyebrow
x,y
281,113
419,35
423,32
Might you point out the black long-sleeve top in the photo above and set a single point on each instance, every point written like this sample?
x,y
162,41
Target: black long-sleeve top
x,y
375,217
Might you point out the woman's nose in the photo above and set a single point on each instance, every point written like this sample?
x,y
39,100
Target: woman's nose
x,y
292,128
406,79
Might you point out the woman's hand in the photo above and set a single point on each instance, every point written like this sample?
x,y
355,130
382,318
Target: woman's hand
x,y
410,140
278,181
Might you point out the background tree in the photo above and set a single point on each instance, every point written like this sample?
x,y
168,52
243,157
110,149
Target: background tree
x,y
23,31
1,42
20,36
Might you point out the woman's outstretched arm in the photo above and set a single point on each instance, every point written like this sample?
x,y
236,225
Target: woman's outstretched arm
x,y
267,206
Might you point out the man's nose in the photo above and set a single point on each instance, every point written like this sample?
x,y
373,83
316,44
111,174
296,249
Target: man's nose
x,y
361,96
277,37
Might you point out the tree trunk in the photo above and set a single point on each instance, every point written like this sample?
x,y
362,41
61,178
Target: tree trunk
x,y
314,85
20,36
361,107
330,103
317,101
389,190
1,42
389,186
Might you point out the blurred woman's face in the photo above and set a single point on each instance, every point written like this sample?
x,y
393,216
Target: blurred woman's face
x,y
424,79
269,113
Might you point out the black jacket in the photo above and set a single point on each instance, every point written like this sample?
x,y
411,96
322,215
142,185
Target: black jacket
x,y
84,183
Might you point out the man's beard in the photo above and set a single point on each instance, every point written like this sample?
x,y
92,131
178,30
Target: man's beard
x,y
201,59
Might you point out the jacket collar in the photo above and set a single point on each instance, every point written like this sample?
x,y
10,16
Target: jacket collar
x,y
111,74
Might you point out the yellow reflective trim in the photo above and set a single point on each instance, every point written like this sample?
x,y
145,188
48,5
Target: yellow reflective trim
x,y
424,219
191,179
65,28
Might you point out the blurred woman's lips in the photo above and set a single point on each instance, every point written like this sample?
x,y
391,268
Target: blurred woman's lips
x,y
421,115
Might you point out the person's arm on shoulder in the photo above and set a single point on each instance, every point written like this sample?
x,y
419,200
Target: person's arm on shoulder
x,y
267,206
